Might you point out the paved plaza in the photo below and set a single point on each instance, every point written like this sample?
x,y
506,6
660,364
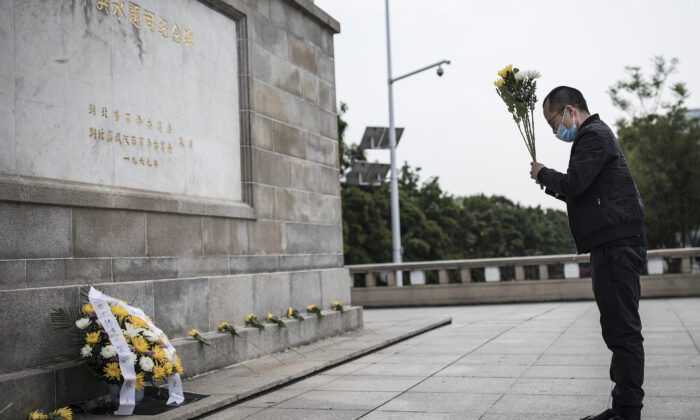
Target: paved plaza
x,y
520,361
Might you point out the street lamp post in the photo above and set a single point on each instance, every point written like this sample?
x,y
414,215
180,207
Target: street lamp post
x,y
394,186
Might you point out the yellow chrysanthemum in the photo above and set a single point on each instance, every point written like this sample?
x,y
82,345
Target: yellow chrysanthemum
x,y
311,307
119,311
335,303
88,308
505,70
112,371
290,312
137,322
177,365
158,371
140,345
168,368
139,381
93,337
270,316
499,82
37,415
159,354
65,413
249,317
223,325
193,333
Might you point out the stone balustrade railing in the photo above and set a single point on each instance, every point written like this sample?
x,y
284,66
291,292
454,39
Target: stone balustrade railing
x,y
519,268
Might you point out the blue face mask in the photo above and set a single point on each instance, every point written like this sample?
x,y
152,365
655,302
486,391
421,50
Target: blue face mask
x,y
566,134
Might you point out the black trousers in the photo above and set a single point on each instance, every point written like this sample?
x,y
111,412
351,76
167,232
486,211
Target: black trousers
x,y
615,271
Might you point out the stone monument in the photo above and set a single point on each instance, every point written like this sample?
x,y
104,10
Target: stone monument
x,y
181,155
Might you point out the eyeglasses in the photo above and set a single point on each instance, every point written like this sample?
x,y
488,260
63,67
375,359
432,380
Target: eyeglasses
x,y
549,121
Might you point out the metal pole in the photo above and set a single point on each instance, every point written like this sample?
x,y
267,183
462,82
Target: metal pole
x,y
395,225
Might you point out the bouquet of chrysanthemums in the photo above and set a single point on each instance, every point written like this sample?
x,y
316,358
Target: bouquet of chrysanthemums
x,y
517,89
152,358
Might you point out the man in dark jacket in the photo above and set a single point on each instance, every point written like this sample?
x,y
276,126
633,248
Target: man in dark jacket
x,y
606,218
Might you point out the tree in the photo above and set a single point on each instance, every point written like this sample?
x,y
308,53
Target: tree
x,y
438,226
662,145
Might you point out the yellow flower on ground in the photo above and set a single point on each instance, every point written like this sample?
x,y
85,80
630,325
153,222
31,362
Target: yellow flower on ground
x,y
158,371
65,413
499,82
37,415
140,345
223,325
335,303
290,312
119,311
193,333
270,316
112,371
177,365
159,354
311,307
137,322
88,308
249,317
93,337
139,381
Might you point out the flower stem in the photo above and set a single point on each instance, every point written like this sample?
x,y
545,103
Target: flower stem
x,y
307,340
259,348
286,344
208,343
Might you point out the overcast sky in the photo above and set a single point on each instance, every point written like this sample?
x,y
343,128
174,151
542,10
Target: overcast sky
x,y
457,128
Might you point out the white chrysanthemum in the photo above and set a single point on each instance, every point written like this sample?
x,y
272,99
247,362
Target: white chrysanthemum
x,y
108,352
169,354
532,74
150,335
146,363
521,75
82,323
86,351
132,332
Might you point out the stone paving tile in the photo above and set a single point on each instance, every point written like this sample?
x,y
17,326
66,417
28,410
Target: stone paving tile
x,y
396,369
401,415
589,372
371,383
233,413
671,407
483,371
306,414
339,400
549,386
450,384
572,406
272,398
430,402
655,387
313,382
498,359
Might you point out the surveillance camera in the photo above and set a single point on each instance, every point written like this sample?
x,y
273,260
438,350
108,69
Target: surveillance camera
x,y
440,71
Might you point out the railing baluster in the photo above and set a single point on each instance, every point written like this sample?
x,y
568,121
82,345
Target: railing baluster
x,y
466,274
443,278
391,279
370,279
519,273
686,265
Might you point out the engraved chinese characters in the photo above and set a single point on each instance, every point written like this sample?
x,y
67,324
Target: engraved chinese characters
x,y
141,95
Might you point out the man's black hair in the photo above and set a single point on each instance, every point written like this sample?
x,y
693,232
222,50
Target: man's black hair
x,y
562,96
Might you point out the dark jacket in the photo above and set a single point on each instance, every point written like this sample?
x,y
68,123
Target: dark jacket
x,y
602,200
